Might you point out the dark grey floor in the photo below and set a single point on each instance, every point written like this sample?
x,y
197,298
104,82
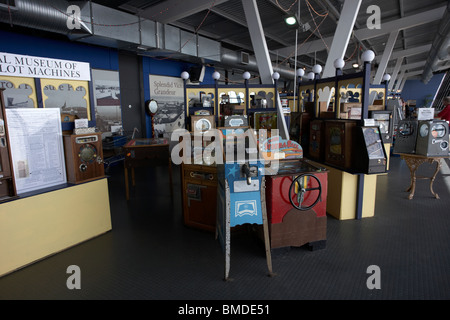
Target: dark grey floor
x,y
149,254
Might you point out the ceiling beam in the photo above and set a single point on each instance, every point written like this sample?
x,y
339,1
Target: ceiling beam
x,y
172,10
365,34
262,56
402,23
395,73
386,57
408,52
342,35
268,35
409,66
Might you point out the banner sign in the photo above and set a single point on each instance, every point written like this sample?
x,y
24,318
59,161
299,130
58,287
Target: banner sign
x,y
288,149
38,67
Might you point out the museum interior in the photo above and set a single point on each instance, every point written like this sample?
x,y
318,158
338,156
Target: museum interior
x,y
224,150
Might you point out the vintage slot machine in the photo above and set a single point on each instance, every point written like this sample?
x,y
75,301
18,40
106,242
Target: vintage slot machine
x,y
84,157
433,138
370,155
317,140
7,182
296,205
339,136
202,123
383,119
236,121
299,128
265,120
406,137
241,196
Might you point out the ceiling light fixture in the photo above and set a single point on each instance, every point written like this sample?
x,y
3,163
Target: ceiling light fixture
x,y
290,20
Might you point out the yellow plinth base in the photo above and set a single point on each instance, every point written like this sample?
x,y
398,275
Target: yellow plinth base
x,y
35,227
343,193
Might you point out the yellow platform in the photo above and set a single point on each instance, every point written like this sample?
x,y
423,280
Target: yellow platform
x,y
35,227
343,193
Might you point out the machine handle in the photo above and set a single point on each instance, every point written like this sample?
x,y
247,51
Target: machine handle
x,y
201,175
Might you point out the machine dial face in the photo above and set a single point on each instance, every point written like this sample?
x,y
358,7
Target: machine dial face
x,y
87,153
405,129
203,125
438,130
423,130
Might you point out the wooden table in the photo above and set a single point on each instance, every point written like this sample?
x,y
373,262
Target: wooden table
x,y
145,152
414,161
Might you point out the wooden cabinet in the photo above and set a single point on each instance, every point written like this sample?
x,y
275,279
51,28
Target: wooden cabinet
x,y
84,157
199,190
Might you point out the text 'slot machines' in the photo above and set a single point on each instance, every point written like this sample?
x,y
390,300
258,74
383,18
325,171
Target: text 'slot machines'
x,y
296,205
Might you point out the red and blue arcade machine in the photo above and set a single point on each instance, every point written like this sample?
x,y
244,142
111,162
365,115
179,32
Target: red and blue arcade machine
x,y
296,197
241,196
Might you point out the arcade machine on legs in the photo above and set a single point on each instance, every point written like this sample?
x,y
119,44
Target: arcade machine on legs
x,y
241,190
296,204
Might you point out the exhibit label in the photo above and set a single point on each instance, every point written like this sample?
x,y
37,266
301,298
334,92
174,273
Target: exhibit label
x,y
38,67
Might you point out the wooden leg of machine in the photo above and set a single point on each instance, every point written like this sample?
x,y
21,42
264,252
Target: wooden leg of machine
x,y
266,229
127,188
227,233
133,180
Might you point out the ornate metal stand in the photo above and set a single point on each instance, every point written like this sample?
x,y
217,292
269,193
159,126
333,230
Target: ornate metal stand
x,y
413,162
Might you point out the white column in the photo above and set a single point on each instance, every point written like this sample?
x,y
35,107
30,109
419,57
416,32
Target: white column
x,y
258,40
342,35
395,73
262,56
386,56
402,84
399,80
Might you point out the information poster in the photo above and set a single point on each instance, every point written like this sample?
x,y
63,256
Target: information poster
x,y
36,148
108,111
169,93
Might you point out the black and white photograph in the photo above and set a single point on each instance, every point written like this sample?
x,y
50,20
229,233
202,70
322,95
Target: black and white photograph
x,y
108,111
168,92
17,96
69,100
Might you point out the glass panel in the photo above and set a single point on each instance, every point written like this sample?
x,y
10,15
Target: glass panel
x,y
373,143
70,99
19,92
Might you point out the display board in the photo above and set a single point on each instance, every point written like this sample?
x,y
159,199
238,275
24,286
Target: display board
x,y
169,93
19,92
71,97
36,148
108,111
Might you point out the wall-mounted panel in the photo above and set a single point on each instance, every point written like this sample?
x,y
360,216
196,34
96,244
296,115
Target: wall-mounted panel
x,y
19,92
172,38
114,24
188,43
208,49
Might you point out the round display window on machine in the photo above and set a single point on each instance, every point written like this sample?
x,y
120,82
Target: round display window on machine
x,y
87,153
